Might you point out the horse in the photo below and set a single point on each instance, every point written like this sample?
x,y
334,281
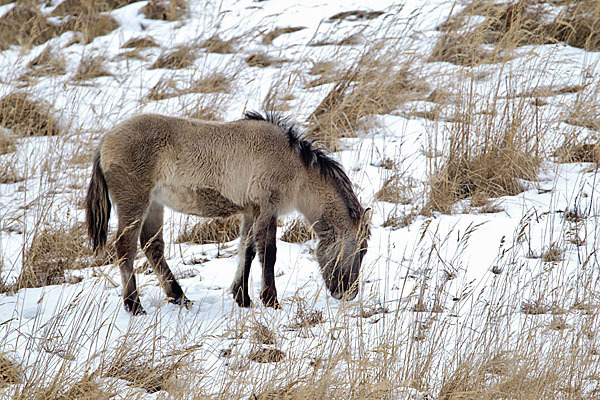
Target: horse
x,y
259,166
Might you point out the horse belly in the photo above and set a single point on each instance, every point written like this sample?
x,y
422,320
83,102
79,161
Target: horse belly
x,y
200,201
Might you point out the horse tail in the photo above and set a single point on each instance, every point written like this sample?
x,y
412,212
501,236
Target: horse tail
x,y
97,207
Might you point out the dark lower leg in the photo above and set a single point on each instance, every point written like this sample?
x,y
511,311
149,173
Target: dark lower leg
x,y
126,247
265,230
246,254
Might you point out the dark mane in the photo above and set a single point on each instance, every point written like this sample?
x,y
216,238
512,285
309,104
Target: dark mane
x,y
314,158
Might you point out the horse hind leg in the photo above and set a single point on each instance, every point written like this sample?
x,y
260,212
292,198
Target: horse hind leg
x,y
265,229
153,245
126,246
246,253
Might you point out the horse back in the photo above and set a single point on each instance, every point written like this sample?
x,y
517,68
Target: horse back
x,y
236,165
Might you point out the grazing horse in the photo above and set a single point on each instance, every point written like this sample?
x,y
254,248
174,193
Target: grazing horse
x,y
259,167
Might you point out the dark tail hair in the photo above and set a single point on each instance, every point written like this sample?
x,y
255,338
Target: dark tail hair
x,y
98,207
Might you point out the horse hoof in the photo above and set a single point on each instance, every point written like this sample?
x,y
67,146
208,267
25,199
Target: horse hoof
x,y
243,301
271,301
135,308
183,302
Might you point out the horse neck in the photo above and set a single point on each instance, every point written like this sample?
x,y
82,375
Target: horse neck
x,y
322,205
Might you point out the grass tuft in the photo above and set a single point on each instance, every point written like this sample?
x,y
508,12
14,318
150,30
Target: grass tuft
x,y
219,230
25,25
48,62
26,115
165,10
296,231
91,67
182,56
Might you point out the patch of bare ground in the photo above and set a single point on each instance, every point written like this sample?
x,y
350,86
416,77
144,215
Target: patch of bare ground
x,y
165,10
350,40
219,230
296,231
275,33
26,115
182,56
368,88
91,67
25,25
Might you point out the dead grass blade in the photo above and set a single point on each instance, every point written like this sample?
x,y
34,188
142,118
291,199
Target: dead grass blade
x,y
26,115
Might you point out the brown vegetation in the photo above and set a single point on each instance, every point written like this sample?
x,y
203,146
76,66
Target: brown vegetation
x,y
166,10
182,56
368,88
54,251
91,67
48,62
296,231
27,116
218,230
25,25
275,33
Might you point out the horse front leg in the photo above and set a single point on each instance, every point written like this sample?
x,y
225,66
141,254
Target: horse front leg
x,y
246,253
265,229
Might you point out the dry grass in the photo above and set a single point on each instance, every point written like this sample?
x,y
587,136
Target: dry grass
x,y
55,251
91,67
49,62
10,372
139,43
263,60
487,341
26,26
395,190
87,7
486,158
217,82
182,56
166,10
91,26
212,231
515,24
215,44
368,88
7,142
26,115
275,33
296,231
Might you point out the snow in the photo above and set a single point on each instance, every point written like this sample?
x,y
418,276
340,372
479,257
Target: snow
x,y
443,261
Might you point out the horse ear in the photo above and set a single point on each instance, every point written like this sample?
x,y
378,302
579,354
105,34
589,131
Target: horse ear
x,y
367,215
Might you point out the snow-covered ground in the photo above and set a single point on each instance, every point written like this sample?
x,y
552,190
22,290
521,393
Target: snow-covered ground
x,y
442,290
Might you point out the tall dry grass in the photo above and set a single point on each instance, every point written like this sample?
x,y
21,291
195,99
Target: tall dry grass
x,y
525,330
